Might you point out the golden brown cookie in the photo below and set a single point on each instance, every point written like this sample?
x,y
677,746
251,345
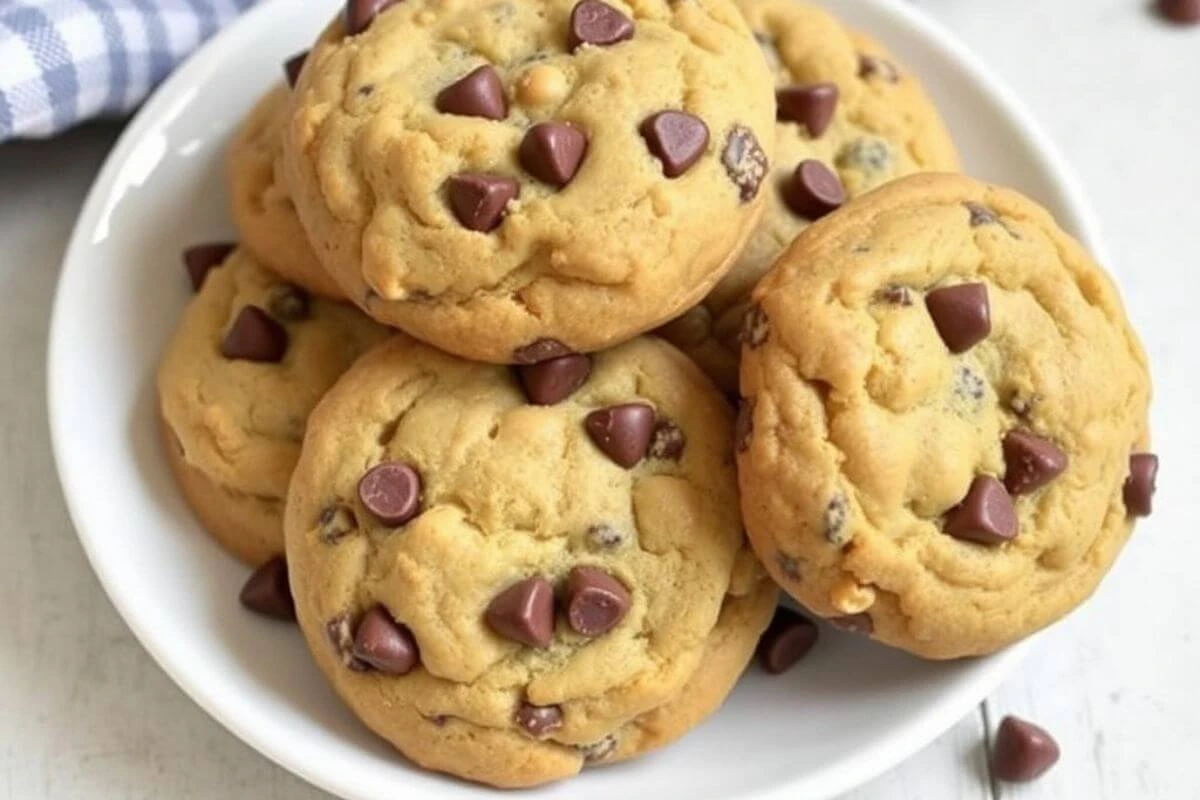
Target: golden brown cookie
x,y
944,429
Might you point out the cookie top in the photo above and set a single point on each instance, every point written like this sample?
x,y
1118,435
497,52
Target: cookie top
x,y
844,102
448,504
502,178
249,359
260,202
944,410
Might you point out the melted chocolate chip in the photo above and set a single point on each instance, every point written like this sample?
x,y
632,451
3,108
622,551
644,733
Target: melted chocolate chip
x,y
743,426
598,751
336,522
604,537
896,295
340,631
289,303
837,512
745,162
754,327
980,215
667,441
538,721
870,67
789,566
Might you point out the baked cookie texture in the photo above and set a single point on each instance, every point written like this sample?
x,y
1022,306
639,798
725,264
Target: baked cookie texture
x,y
232,427
486,494
871,122
259,200
942,397
548,203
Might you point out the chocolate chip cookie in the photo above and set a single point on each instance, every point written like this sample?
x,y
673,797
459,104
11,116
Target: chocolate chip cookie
x,y
944,437
249,359
509,573
260,203
516,179
849,118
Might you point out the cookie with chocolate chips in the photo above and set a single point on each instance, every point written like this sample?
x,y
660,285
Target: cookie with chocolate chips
x,y
249,359
848,118
949,417
261,204
489,176
552,552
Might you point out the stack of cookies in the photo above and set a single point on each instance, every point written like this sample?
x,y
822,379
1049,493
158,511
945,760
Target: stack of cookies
x,y
423,400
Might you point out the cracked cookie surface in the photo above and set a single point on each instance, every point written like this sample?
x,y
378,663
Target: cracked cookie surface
x,y
488,176
944,405
232,426
846,103
566,579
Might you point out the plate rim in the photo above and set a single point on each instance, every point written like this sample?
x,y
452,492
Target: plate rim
x,y
845,774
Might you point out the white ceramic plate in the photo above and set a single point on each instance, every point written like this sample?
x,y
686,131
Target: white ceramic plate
x,y
849,711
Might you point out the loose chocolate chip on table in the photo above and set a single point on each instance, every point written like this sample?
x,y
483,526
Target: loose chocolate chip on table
x,y
1184,12
478,94
986,515
870,66
596,601
1022,751
745,162
292,67
1030,462
811,105
599,24
814,190
980,215
340,631
675,138
604,537
540,350
539,720
622,432
836,513
754,327
524,612
552,152
384,644
598,751
266,591
787,639
479,200
743,426
289,303
667,442
255,336
854,623
392,492
896,295
199,259
361,13
335,522
961,314
1139,486
555,379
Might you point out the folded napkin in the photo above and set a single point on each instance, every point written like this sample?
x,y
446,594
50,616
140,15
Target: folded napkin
x,y
65,61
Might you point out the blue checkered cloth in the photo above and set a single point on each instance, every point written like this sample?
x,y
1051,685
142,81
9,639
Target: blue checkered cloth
x,y
65,61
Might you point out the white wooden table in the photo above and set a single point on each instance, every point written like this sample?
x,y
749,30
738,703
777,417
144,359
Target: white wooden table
x,y
84,712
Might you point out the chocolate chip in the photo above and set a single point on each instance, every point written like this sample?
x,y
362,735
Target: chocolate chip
x,y
1030,462
789,566
524,612
814,190
622,431
961,314
896,295
598,751
255,336
553,380
675,138
870,66
667,441
478,94
836,513
1139,486
980,215
853,623
540,350
539,720
480,200
266,591
1022,751
754,327
340,631
868,155
1183,12
599,24
289,303
787,639
552,152
968,384
596,601
811,105
745,162
199,259
361,13
604,537
986,515
743,426
336,522
292,67
385,644
392,492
